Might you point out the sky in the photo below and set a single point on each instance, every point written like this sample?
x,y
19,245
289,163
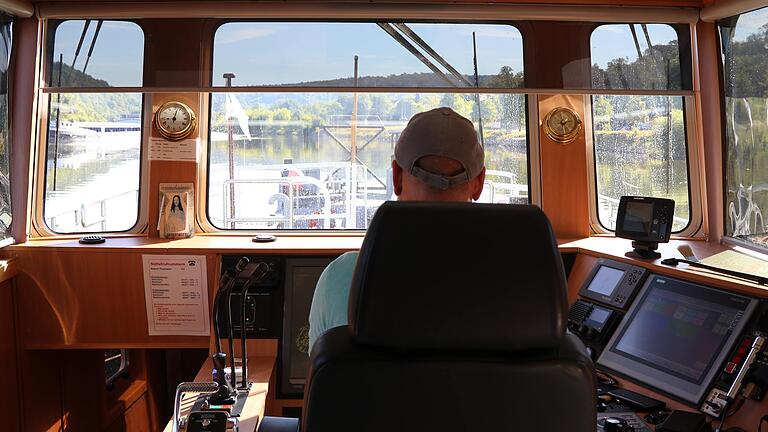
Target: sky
x,y
750,23
279,53
118,54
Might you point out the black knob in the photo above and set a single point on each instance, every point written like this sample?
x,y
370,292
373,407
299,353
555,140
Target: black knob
x,y
616,424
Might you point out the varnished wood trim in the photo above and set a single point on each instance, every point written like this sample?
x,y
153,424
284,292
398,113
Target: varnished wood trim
x,y
9,268
638,11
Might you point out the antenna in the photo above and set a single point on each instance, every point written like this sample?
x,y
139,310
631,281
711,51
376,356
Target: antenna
x,y
93,43
477,95
80,43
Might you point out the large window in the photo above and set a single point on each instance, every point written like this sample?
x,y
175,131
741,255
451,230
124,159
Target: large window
x,y
639,140
92,164
317,155
745,55
6,43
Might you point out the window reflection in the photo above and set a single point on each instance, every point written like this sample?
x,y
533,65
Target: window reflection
x,y
745,54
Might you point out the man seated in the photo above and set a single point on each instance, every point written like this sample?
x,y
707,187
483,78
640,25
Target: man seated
x,y
437,158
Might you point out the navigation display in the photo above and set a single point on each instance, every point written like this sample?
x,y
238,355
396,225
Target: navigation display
x,y
638,217
676,336
605,280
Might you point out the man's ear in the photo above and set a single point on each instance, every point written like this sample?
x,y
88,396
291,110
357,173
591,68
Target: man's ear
x,y
477,185
397,178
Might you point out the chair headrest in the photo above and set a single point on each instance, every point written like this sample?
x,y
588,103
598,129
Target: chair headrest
x,y
458,276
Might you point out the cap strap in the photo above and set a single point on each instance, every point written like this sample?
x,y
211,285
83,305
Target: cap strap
x,y
439,181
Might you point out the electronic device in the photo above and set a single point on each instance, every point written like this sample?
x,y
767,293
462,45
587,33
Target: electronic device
x,y
729,382
592,323
647,221
211,421
635,400
676,335
613,283
621,421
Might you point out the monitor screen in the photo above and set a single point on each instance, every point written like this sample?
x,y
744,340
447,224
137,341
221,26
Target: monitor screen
x,y
638,217
676,336
605,280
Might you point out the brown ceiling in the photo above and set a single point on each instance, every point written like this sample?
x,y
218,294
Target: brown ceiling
x,y
671,3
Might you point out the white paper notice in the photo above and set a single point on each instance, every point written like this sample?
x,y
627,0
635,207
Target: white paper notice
x,y
176,293
162,149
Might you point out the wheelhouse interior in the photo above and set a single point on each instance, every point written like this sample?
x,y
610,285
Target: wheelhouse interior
x,y
143,140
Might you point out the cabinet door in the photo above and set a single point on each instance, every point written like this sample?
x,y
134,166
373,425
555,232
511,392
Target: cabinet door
x,y
137,416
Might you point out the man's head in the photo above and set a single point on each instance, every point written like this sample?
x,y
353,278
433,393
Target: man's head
x,y
438,158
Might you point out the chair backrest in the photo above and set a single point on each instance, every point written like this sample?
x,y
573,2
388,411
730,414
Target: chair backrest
x,y
456,323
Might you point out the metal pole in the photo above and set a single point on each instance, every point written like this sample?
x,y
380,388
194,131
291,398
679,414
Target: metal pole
x,y
58,124
353,155
353,149
231,151
477,95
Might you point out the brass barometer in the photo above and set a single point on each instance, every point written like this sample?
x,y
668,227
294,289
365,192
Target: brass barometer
x,y
562,125
174,121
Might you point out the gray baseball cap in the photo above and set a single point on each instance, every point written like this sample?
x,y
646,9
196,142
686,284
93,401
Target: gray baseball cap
x,y
440,132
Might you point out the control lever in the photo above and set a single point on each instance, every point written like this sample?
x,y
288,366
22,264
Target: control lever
x,y
227,281
186,387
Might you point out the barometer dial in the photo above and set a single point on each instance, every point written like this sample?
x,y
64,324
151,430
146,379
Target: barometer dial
x,y
562,125
175,121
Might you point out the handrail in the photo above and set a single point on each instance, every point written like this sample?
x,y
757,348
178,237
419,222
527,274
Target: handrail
x,y
80,213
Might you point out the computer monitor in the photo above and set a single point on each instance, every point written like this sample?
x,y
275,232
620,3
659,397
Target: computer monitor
x,y
676,336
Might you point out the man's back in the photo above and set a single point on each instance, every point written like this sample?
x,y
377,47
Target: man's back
x,y
329,304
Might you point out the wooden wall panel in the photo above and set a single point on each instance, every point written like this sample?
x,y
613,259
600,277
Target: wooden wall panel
x,y
9,379
88,299
709,99
171,171
565,188
23,96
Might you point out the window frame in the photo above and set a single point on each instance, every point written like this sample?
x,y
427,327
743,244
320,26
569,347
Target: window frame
x,y
693,144
203,203
45,92
725,238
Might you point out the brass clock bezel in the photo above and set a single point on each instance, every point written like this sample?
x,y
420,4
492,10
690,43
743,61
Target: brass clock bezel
x,y
560,137
170,135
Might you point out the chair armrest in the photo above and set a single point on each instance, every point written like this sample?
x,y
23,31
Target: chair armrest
x,y
279,424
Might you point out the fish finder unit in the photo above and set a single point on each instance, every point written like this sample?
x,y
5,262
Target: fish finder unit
x,y
613,283
647,221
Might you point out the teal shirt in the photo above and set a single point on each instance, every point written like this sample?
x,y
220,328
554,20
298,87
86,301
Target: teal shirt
x,y
330,302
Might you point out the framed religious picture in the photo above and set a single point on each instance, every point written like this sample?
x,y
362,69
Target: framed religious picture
x,y
177,210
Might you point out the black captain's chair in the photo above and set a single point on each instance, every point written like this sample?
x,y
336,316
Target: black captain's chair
x,y
456,323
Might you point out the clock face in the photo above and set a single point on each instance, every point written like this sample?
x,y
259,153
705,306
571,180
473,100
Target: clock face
x,y
562,125
174,120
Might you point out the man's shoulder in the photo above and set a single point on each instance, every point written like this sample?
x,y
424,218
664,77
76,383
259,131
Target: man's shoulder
x,y
340,268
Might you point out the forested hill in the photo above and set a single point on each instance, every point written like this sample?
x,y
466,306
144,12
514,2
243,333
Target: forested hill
x,y
505,78
97,107
73,78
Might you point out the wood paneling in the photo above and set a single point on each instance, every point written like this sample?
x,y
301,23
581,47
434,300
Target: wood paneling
x,y
712,127
88,300
565,189
9,372
560,60
137,416
23,96
171,171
